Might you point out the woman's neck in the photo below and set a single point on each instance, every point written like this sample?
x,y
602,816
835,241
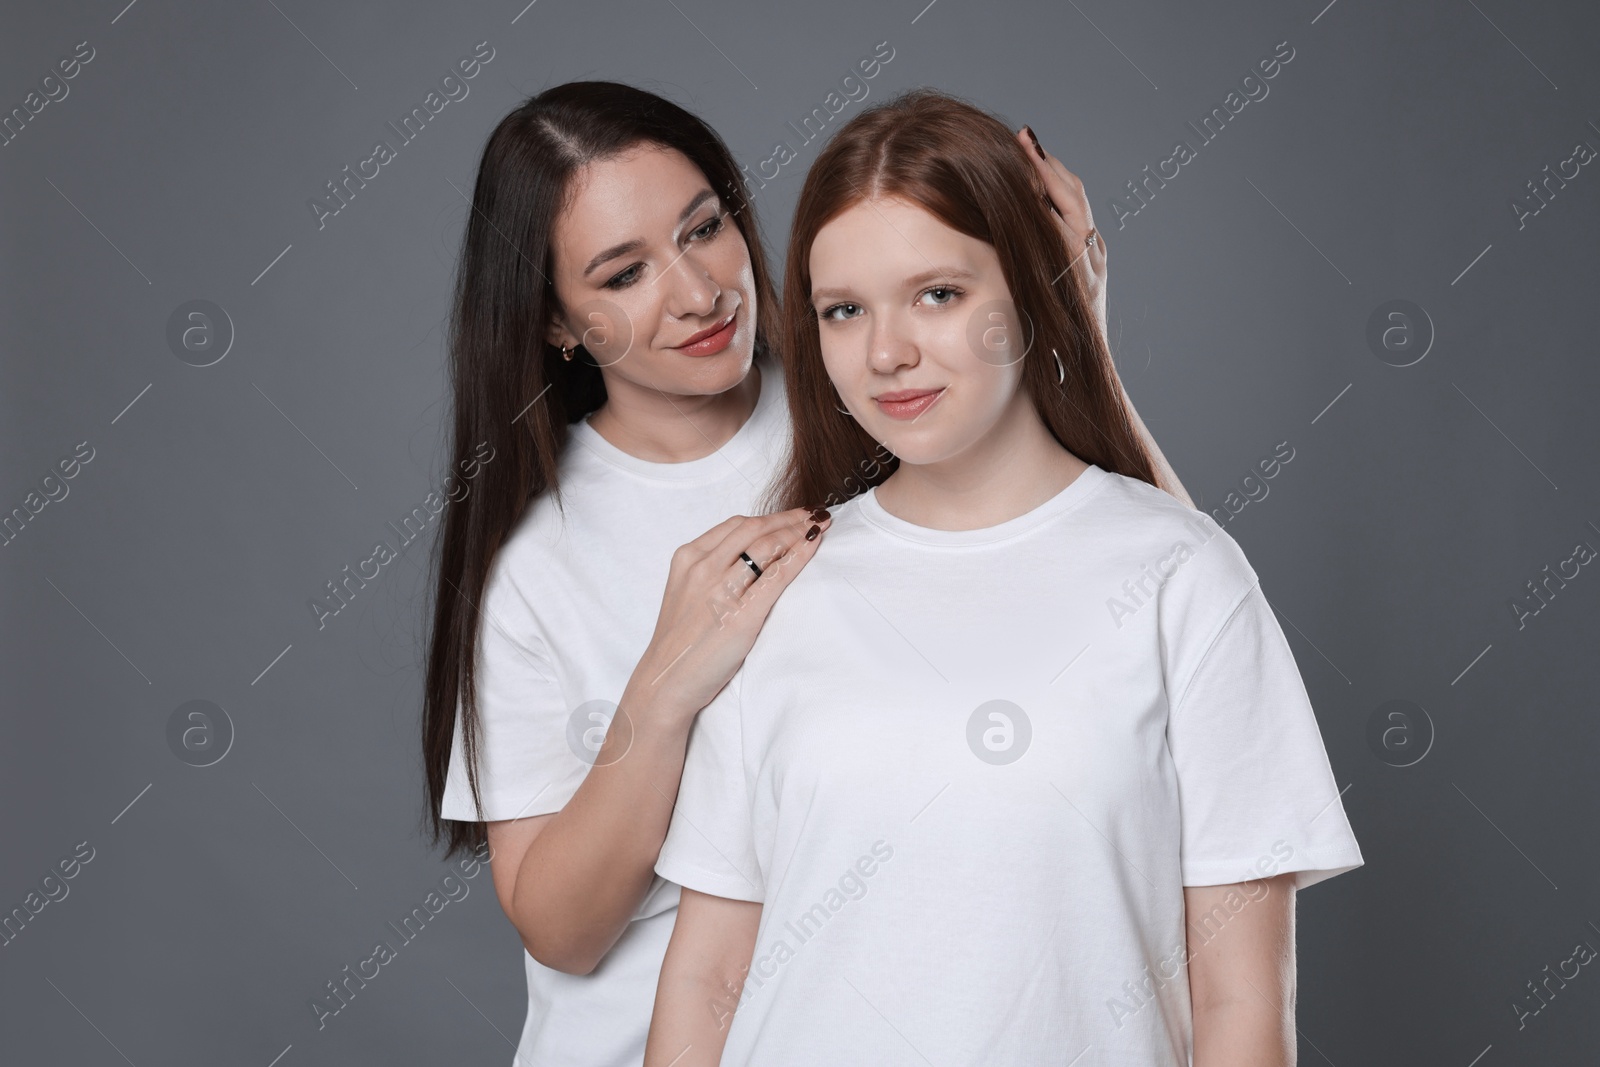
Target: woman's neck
x,y
674,428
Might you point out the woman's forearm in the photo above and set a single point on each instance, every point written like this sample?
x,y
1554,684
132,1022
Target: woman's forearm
x,y
584,876
586,869
1166,477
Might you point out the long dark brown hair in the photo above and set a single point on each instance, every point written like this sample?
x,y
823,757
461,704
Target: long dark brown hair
x,y
511,388
964,166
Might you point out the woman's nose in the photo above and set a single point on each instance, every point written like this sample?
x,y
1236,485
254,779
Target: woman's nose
x,y
692,290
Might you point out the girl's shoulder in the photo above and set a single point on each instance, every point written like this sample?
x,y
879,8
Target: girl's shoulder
x,y
1199,563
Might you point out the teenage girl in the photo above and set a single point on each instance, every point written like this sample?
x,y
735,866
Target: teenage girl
x,y
1020,770
612,343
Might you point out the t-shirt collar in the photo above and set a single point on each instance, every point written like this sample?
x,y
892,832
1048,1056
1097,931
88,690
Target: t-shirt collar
x,y
1092,478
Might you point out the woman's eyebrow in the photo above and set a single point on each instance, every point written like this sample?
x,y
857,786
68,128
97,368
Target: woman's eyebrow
x,y
935,275
627,247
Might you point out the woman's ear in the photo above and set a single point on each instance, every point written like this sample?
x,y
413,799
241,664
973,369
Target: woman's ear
x,y
558,334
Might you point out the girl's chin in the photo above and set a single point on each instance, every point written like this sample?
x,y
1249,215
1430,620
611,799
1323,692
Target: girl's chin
x,y
914,453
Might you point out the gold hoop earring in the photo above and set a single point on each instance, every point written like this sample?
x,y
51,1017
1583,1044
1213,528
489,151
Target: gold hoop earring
x,y
566,353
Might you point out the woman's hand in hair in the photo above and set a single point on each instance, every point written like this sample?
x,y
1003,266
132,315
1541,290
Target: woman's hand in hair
x,y
714,605
1074,220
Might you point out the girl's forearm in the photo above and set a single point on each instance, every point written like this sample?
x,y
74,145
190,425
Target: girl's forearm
x,y
583,878
1242,1034
690,1025
702,979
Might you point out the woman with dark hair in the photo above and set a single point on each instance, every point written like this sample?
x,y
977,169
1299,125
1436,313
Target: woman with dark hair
x,y
615,383
1024,737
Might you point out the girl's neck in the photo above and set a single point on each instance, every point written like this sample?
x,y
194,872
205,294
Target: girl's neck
x,y
1018,467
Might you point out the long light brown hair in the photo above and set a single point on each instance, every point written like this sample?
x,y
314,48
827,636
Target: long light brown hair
x,y
963,166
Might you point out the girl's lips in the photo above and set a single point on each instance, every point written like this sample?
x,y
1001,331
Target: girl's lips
x,y
910,405
710,342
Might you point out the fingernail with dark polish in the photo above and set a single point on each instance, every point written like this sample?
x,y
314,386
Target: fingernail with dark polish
x,y
1035,139
811,534
820,515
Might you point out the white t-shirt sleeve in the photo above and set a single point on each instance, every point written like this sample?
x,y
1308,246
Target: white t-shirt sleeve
x,y
710,845
1255,788
526,765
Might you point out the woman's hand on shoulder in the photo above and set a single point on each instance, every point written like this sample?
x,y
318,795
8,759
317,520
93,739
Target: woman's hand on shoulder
x,y
1074,221
715,604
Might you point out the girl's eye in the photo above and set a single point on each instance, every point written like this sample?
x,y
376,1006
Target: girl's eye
x,y
950,291
833,314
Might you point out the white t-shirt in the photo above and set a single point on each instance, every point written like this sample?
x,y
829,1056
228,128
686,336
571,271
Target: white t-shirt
x,y
968,774
571,603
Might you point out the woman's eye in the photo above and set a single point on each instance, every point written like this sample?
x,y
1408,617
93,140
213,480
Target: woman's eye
x,y
949,292
625,279
704,232
712,227
840,312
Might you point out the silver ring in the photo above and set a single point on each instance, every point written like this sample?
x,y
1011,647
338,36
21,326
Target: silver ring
x,y
752,564
1091,238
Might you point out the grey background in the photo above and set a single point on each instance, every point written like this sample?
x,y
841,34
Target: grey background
x,y
1381,166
